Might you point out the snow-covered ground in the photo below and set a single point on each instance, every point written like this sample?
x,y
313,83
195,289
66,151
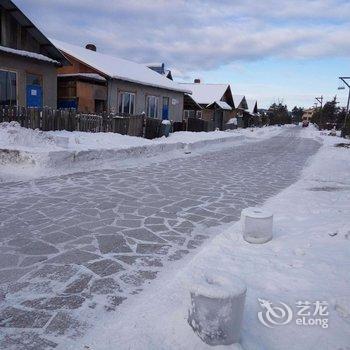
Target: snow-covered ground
x,y
308,260
26,153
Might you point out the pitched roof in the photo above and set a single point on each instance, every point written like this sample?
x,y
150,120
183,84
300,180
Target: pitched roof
x,y
206,93
33,30
251,105
221,104
190,103
237,100
29,54
118,68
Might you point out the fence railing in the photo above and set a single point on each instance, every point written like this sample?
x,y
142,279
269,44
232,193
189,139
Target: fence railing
x,y
48,119
195,124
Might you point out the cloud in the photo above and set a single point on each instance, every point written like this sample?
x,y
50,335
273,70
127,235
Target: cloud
x,y
199,35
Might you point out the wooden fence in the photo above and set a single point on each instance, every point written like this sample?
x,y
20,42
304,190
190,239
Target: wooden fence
x,y
48,119
195,124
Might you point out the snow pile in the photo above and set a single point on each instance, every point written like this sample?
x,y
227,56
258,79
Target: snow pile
x,y
26,153
305,262
84,141
13,136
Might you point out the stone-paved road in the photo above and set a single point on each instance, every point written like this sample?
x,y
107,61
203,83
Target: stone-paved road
x,y
74,246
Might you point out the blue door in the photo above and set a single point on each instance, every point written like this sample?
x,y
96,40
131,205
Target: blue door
x,y
165,109
34,96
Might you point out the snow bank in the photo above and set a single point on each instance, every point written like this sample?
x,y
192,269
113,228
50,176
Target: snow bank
x,y
306,261
67,151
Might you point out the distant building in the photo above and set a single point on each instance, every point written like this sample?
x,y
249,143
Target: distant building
x,y
215,100
28,61
308,114
219,105
248,114
160,68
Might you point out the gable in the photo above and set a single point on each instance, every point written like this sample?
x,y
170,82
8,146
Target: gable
x,y
205,94
76,67
17,32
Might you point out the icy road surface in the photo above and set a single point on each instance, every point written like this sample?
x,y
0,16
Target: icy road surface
x,y
77,245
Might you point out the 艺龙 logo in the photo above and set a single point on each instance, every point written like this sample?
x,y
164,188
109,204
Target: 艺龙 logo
x,y
308,313
274,315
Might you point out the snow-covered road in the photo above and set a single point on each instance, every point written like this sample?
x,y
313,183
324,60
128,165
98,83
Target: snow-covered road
x,y
75,246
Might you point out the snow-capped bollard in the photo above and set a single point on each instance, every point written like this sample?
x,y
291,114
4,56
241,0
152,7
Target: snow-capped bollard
x,y
187,149
256,225
217,304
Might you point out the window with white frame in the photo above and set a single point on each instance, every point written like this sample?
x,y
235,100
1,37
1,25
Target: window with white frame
x,y
8,88
152,106
199,114
126,103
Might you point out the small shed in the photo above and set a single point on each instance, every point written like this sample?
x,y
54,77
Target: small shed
x,y
221,110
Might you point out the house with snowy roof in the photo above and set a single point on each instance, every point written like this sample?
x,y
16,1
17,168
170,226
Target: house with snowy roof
x,y
96,82
28,61
247,114
216,102
160,68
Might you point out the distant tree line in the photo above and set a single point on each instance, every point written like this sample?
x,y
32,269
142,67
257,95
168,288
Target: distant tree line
x,y
331,116
276,114
327,117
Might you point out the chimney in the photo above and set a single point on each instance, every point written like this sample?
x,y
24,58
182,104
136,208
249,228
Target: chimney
x,y
91,47
197,81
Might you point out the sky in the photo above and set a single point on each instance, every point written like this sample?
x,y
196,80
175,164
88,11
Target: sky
x,y
270,50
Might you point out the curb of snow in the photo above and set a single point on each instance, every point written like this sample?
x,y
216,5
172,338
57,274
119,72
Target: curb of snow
x,y
68,158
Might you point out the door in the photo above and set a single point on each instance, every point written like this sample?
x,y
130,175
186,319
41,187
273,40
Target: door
x,y
34,96
165,109
218,118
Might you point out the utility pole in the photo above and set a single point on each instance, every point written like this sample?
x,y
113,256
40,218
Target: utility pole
x,y
345,81
320,119
320,100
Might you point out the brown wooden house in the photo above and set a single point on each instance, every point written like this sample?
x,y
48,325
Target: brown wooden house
x,y
215,100
97,81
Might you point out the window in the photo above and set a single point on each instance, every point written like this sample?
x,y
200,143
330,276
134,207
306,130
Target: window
x,y
126,103
152,106
34,79
8,88
199,114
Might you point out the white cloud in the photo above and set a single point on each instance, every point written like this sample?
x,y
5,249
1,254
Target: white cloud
x,y
205,34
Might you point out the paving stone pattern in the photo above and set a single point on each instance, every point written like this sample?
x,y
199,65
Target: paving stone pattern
x,y
88,241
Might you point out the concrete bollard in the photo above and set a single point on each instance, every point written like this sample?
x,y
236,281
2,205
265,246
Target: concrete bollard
x,y
256,225
217,305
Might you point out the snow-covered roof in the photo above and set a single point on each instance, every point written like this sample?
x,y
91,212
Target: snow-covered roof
x,y
83,75
34,55
119,68
206,93
221,104
237,100
251,105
